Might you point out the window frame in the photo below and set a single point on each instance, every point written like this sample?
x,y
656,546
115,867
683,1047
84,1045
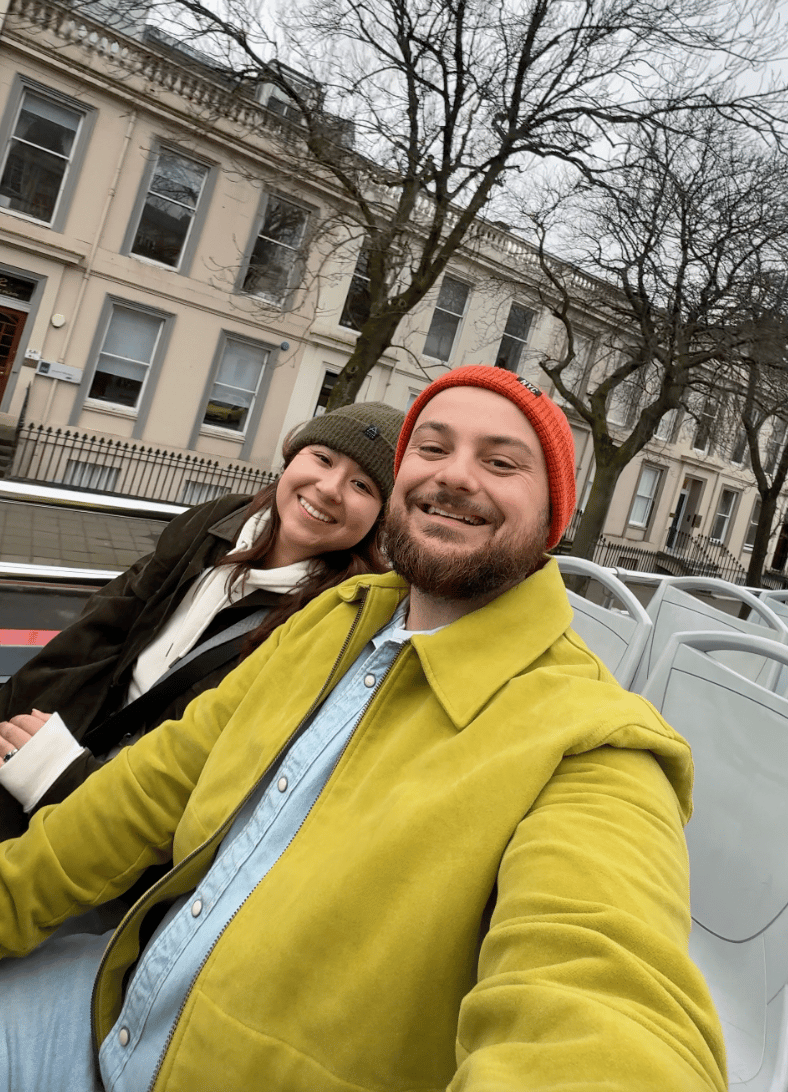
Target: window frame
x,y
22,85
668,421
727,517
139,415
460,317
199,216
705,420
521,343
296,272
360,281
651,499
320,409
246,436
752,526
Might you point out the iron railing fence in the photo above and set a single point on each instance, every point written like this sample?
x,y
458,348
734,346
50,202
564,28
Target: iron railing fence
x,y
691,554
122,468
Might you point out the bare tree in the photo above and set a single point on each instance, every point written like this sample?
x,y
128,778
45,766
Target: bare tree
x,y
450,99
682,219
758,389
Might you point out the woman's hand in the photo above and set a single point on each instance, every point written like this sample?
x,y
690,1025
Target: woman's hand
x,y
16,732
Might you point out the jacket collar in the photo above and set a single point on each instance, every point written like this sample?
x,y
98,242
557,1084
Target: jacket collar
x,y
471,659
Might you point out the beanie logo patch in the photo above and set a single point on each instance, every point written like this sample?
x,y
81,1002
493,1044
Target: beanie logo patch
x,y
372,432
529,386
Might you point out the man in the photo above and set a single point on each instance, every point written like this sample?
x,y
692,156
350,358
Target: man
x,y
422,838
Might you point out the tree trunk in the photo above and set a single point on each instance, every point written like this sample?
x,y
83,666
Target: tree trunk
x,y
374,337
761,545
597,506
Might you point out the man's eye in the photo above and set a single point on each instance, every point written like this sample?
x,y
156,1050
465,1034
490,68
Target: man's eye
x,y
431,449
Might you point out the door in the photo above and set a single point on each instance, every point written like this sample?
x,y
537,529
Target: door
x,y
686,511
12,324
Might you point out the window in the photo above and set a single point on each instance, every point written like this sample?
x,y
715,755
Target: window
x,y
774,445
645,495
623,401
125,356
357,303
703,430
167,216
236,384
329,379
446,318
89,476
719,529
739,449
195,492
515,335
749,538
666,428
39,153
276,249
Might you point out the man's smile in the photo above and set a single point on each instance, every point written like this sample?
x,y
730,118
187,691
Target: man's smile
x,y
462,517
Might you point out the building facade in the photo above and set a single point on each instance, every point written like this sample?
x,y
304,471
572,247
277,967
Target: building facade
x,y
168,280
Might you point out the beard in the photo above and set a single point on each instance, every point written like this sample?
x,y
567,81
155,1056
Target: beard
x,y
445,574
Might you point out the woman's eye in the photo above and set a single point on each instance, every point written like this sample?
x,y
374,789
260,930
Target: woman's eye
x,y
323,457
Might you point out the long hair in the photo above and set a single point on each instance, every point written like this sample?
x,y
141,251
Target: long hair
x,y
326,571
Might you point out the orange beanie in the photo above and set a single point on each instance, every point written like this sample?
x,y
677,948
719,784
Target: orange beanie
x,y
549,422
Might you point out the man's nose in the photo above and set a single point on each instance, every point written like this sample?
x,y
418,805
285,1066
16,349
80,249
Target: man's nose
x,y
458,471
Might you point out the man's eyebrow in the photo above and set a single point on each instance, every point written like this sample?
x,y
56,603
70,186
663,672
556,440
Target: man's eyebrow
x,y
433,426
487,441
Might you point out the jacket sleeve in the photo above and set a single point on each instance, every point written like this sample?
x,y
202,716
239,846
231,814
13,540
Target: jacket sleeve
x,y
93,846
584,979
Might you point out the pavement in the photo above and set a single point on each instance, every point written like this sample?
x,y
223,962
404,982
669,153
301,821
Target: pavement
x,y
47,535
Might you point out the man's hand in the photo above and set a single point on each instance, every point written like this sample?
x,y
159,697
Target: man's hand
x,y
16,732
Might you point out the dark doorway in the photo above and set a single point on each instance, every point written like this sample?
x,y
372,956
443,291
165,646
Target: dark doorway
x,y
12,323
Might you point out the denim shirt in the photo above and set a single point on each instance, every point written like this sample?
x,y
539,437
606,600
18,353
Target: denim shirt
x,y
131,1054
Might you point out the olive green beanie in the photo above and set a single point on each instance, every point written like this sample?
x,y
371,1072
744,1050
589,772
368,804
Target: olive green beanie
x,y
366,431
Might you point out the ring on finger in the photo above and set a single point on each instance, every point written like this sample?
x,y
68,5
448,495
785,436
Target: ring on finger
x,y
10,754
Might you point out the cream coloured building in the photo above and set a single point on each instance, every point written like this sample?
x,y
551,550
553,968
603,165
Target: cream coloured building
x,y
169,280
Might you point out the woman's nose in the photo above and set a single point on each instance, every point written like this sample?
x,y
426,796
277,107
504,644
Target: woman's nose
x,y
330,484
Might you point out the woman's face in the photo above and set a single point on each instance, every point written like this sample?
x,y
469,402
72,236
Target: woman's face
x,y
325,502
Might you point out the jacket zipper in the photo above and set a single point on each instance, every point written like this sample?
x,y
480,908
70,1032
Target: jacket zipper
x,y
183,1004
237,910
219,834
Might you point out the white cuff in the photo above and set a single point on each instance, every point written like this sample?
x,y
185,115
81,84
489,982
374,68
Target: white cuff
x,y
37,765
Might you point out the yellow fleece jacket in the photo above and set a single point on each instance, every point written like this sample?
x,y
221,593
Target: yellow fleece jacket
x,y
491,892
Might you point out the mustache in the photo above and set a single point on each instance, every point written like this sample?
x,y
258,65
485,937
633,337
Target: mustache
x,y
457,502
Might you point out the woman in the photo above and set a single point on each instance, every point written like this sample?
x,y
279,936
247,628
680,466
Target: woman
x,y
223,576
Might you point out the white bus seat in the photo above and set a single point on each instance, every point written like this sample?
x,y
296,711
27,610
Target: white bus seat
x,y
673,609
738,732
617,636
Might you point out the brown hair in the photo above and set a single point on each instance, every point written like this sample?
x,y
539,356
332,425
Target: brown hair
x,y
326,571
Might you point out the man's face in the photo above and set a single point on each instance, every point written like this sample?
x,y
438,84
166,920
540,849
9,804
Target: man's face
x,y
469,513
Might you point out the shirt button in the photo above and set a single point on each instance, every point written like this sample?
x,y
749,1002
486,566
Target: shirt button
x,y
123,1036
281,784
196,908
369,680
